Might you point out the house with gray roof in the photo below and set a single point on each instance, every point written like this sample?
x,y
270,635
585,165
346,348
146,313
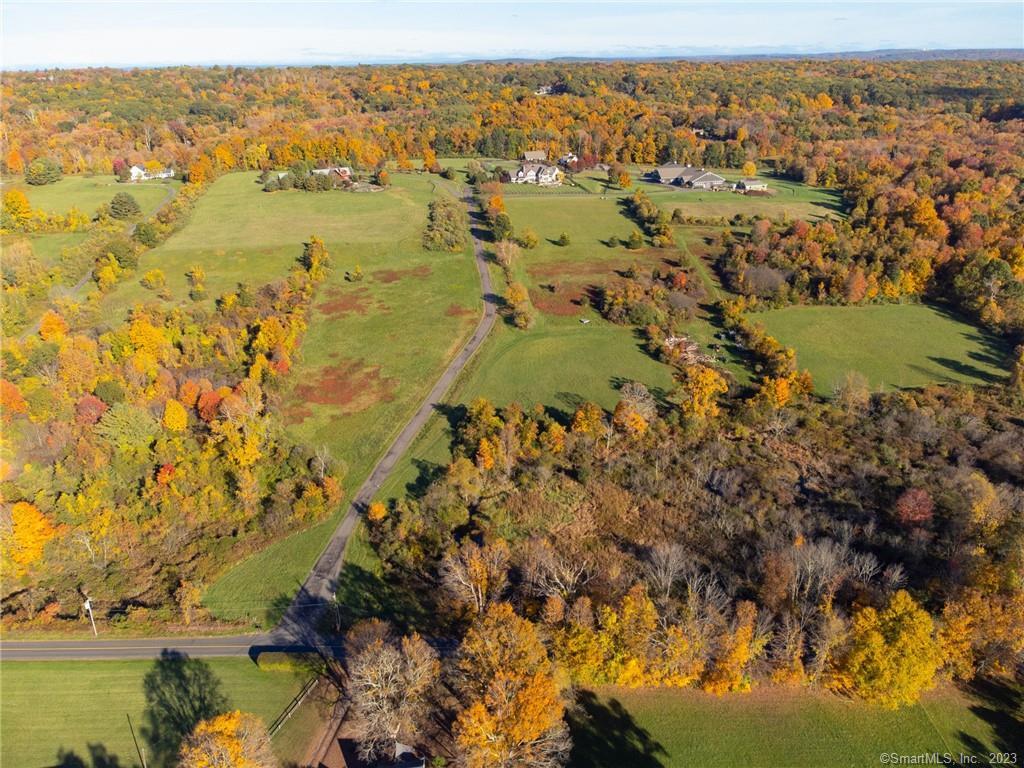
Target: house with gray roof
x,y
688,176
537,173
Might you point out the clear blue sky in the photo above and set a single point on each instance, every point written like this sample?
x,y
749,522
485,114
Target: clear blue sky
x,y
37,33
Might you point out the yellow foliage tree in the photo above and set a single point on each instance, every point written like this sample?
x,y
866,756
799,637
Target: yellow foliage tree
x,y
728,675
232,740
52,326
175,416
700,387
518,721
30,531
588,419
891,656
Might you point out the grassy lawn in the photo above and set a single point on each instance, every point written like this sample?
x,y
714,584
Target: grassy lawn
x,y
87,193
791,200
72,705
373,349
47,248
645,729
892,345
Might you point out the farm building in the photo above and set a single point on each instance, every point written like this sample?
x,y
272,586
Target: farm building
x,y
689,176
752,185
534,156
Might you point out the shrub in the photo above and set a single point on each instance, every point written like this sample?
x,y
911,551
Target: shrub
x,y
563,239
146,234
124,206
528,239
42,171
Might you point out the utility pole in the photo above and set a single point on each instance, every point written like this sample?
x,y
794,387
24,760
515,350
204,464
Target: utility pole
x,y
142,755
92,620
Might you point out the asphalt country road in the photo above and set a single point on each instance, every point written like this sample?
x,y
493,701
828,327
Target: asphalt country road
x,y
297,629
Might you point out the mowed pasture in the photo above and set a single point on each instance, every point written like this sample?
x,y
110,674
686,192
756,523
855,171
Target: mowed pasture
x,y
792,728
894,346
373,349
87,193
81,706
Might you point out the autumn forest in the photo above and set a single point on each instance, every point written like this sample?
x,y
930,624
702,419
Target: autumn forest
x,y
721,511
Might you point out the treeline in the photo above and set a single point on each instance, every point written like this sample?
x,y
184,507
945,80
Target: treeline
x,y
869,546
150,452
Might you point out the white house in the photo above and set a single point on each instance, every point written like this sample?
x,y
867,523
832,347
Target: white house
x,y
568,158
752,185
537,173
138,173
343,172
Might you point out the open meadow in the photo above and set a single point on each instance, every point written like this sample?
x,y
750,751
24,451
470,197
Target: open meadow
x,y
47,248
778,727
81,707
87,193
893,346
374,346
560,362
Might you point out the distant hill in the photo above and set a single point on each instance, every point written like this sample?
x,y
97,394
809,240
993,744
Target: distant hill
x,y
893,54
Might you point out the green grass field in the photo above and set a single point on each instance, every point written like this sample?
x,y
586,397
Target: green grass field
x,y
373,349
47,248
559,362
87,193
771,728
70,705
892,345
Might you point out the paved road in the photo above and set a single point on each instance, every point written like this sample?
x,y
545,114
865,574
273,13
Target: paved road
x,y
297,629
134,648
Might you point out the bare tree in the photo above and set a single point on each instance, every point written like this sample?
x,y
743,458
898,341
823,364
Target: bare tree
x,y
476,575
637,395
666,563
555,572
388,687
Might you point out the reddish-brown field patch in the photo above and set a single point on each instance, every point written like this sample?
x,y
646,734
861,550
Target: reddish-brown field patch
x,y
565,301
341,302
457,310
553,270
394,275
349,386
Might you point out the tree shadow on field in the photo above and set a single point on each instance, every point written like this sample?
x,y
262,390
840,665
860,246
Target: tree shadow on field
x,y
362,595
1000,703
180,691
965,369
605,735
99,757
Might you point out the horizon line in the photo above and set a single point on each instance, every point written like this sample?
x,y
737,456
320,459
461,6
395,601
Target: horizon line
x,y
437,59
